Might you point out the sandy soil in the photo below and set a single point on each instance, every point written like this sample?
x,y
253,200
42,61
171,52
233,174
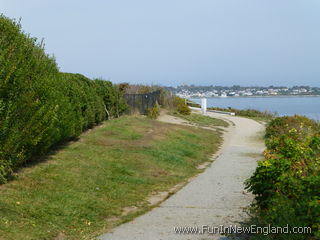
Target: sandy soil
x,y
215,197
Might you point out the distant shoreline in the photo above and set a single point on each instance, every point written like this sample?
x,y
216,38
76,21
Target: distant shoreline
x,y
307,105
269,96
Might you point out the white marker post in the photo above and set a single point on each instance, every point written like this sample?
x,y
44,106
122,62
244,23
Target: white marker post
x,y
203,105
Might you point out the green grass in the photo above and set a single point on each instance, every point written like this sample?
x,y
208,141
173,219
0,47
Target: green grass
x,y
203,120
262,120
260,116
80,186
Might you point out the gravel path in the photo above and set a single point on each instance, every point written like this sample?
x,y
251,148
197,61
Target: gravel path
x,y
215,197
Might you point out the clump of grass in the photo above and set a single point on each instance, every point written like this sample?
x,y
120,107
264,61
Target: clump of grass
x,y
250,113
87,182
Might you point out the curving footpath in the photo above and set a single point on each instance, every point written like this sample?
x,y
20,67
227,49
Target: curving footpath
x,y
215,197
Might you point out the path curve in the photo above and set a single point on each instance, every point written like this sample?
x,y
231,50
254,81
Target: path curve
x,y
215,197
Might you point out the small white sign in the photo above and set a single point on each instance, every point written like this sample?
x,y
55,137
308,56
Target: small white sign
x,y
203,105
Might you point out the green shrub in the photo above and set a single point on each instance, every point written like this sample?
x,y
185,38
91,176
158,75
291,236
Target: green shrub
x,y
286,184
154,112
5,170
114,104
39,106
282,125
181,106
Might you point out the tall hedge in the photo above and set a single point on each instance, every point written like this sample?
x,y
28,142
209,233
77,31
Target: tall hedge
x,y
39,106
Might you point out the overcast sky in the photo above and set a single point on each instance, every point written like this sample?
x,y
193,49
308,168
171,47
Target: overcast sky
x,y
171,42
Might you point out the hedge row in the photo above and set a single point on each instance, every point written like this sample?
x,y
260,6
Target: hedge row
x,y
39,106
286,184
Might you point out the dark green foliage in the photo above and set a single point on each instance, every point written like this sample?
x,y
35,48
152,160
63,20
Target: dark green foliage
x,y
39,106
112,97
287,183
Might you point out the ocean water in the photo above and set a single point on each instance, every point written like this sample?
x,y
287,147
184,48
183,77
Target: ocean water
x,y
283,105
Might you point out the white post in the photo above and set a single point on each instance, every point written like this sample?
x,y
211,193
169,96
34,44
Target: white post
x,y
203,105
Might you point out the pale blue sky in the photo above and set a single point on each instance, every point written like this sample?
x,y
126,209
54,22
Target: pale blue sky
x,y
170,42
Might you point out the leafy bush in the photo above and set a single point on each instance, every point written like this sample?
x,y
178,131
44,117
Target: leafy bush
x,y
154,112
39,106
181,106
282,125
114,104
286,184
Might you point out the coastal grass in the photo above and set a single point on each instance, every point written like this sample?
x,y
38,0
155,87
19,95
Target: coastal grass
x,y
202,120
260,116
83,188
261,119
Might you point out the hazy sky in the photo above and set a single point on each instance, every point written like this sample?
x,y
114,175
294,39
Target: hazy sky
x,y
170,42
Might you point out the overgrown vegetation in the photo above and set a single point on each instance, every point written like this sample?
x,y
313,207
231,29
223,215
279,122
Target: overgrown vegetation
x,y
286,184
166,100
39,106
154,112
251,113
181,106
81,190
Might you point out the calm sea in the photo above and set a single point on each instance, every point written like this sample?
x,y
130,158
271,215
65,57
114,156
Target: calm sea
x,y
303,105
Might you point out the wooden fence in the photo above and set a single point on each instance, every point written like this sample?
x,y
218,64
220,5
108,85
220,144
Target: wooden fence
x,y
140,103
